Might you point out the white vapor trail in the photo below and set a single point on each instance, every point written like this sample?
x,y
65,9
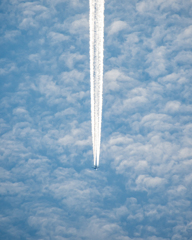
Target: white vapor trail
x,y
96,26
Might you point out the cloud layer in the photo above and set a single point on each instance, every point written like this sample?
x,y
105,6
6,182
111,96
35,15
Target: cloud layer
x,y
143,188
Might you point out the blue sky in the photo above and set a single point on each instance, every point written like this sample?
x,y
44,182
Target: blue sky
x,y
48,189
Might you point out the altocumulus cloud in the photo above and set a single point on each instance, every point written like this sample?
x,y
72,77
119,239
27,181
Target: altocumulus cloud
x,y
143,187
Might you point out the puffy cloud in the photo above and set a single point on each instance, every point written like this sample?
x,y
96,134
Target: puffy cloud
x,y
142,189
144,182
114,78
116,27
57,37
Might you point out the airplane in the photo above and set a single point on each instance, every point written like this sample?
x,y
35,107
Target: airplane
x,y
95,167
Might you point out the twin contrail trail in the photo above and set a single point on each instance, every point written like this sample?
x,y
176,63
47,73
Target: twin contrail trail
x,y
96,26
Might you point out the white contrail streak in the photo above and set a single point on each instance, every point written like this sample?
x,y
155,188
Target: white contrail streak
x,y
96,26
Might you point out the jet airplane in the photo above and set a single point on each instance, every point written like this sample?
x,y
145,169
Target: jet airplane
x,y
95,167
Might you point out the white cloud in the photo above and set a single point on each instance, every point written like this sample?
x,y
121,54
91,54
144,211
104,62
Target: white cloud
x,y
48,87
151,6
71,59
145,182
172,106
27,23
118,139
79,26
114,78
9,188
157,62
56,37
11,35
185,152
68,111
47,182
67,140
8,67
116,27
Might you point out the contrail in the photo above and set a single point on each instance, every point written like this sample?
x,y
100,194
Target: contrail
x,y
96,27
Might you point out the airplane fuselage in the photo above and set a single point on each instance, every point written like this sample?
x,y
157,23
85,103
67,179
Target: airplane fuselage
x,y
95,167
